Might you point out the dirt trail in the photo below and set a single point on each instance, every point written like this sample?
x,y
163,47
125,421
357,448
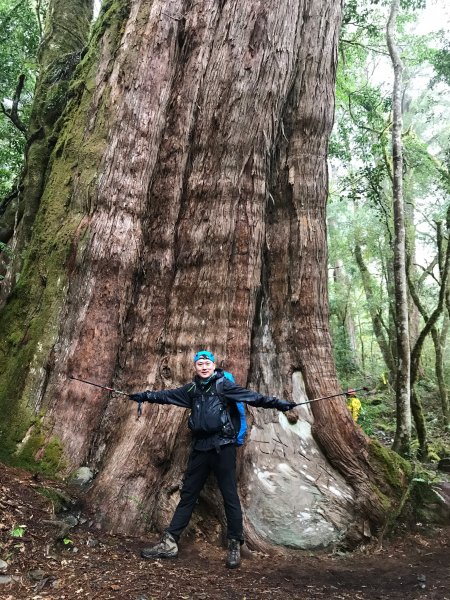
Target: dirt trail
x,y
97,566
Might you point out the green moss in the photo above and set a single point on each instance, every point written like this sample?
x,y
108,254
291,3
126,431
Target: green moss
x,y
39,455
52,461
393,469
26,457
384,501
414,498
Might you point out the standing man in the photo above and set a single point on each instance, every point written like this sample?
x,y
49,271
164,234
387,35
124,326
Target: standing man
x,y
211,397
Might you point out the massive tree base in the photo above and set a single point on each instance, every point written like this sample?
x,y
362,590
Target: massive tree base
x,y
184,207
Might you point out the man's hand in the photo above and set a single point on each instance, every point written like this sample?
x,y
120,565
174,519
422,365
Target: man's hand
x,y
284,405
140,397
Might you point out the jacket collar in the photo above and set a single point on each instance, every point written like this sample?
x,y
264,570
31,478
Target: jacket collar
x,y
218,373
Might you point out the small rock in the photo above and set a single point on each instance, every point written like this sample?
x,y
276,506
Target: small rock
x,y
5,579
3,566
444,464
70,520
422,581
36,575
91,542
82,477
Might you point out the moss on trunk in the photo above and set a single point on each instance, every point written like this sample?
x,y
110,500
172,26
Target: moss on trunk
x,y
29,322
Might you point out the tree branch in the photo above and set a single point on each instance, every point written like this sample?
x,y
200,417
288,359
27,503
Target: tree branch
x,y
351,43
13,112
38,8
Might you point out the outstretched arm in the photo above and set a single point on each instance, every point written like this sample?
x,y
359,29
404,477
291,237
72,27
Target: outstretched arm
x,y
177,396
236,393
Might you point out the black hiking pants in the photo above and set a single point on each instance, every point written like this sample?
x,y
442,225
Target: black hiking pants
x,y
223,465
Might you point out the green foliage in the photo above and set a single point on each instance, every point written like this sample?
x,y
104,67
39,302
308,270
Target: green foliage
x,y
440,59
360,206
377,417
19,40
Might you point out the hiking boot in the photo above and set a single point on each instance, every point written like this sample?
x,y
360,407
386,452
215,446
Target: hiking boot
x,y
166,548
234,554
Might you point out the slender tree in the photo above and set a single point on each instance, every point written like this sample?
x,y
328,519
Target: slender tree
x,y
403,432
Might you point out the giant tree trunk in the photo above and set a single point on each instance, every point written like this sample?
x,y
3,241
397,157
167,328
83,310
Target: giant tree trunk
x,y
185,208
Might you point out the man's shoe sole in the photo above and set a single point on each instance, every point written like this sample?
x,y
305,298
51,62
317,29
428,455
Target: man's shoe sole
x,y
228,566
159,555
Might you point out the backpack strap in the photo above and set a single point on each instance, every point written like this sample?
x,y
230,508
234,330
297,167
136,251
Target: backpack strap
x,y
219,385
240,435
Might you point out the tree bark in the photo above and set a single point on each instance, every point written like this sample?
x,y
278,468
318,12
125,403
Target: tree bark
x,y
402,439
185,208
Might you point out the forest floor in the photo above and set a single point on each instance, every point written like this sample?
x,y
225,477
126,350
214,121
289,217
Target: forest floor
x,y
94,565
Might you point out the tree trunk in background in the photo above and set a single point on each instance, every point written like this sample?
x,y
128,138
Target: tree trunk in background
x,y
346,314
430,327
185,207
375,312
440,342
402,439
64,38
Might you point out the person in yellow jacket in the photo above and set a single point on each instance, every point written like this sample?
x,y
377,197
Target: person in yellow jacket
x,y
353,404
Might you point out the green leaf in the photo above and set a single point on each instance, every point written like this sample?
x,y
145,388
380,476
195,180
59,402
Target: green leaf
x,y
18,531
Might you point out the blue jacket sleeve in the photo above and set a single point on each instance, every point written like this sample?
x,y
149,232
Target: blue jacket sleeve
x,y
236,393
177,397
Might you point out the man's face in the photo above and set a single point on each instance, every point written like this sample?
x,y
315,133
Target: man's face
x,y
204,368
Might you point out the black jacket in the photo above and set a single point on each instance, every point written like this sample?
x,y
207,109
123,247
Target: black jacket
x,y
210,420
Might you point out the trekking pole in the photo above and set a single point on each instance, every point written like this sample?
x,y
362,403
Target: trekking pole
x,y
365,389
104,387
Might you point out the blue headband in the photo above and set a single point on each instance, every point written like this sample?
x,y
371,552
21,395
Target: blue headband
x,y
204,354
